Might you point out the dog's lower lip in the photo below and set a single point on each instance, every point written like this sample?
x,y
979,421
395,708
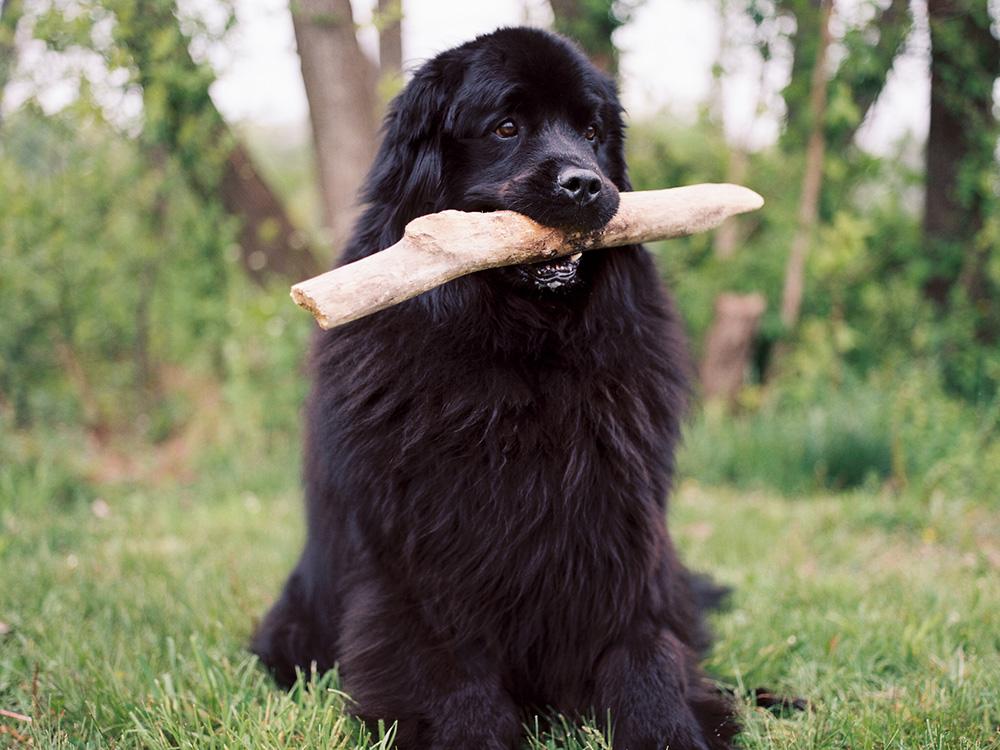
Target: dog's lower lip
x,y
553,273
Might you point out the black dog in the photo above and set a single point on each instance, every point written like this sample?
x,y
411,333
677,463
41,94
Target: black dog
x,y
487,465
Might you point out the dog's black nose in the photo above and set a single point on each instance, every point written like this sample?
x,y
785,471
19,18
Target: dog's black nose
x,y
581,185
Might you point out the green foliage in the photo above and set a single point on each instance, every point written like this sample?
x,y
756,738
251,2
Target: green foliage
x,y
897,430
110,269
592,23
145,44
668,152
10,15
867,50
865,274
121,289
874,386
956,333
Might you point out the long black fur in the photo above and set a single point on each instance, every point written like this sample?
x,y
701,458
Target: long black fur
x,y
487,465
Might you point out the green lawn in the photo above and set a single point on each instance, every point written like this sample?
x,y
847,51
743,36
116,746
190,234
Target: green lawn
x,y
126,624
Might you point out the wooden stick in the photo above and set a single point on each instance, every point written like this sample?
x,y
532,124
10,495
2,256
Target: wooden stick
x,y
440,247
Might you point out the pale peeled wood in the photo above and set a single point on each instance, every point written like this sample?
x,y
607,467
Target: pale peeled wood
x,y
440,247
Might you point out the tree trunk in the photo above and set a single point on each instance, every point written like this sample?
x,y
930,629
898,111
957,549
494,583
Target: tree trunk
x,y
182,119
390,37
965,61
716,94
340,86
732,232
269,243
812,179
388,21
729,344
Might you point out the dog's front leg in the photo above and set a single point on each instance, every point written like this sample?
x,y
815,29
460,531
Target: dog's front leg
x,y
435,707
397,669
657,697
476,714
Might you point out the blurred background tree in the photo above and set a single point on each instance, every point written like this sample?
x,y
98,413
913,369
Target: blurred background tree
x,y
847,333
961,191
592,23
10,16
340,86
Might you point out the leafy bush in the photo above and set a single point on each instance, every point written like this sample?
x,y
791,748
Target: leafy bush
x,y
126,314
110,271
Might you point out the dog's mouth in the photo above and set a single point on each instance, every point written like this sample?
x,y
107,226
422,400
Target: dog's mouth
x,y
552,274
547,276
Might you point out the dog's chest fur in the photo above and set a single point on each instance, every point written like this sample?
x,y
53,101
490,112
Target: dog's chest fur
x,y
521,499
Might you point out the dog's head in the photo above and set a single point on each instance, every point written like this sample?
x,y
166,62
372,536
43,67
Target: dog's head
x,y
518,119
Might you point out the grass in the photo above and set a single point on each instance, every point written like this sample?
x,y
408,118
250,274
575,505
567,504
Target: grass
x,y
864,435
127,614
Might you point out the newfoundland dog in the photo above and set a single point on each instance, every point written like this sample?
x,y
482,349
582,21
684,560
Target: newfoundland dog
x,y
487,465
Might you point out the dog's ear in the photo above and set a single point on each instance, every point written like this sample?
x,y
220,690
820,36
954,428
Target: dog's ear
x,y
405,180
615,167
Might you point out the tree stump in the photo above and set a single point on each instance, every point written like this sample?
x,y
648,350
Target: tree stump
x,y
729,344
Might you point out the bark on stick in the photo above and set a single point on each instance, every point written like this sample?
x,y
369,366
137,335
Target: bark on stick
x,y
440,247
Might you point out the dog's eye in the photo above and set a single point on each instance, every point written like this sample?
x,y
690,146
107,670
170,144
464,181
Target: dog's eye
x,y
506,129
590,133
